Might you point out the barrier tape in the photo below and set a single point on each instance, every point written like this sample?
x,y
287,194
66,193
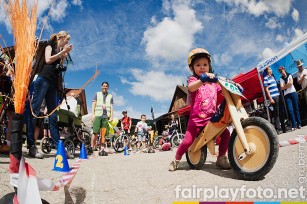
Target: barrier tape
x,y
294,141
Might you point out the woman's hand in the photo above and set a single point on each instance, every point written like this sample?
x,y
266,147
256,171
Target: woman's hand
x,y
67,48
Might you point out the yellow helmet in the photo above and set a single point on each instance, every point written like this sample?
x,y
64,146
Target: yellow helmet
x,y
198,52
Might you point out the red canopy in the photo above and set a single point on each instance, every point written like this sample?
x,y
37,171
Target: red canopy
x,y
249,81
251,84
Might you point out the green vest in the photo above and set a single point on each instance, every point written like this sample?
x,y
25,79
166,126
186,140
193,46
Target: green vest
x,y
100,103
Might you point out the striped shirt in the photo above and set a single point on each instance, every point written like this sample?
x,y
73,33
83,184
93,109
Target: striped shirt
x,y
269,81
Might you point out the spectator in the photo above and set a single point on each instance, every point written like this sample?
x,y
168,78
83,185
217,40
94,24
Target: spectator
x,y
272,91
173,124
164,143
46,87
291,97
302,78
126,122
102,114
141,128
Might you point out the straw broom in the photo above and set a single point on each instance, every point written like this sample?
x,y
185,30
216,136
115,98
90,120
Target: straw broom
x,y
23,26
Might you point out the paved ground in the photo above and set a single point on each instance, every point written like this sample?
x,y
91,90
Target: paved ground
x,y
144,178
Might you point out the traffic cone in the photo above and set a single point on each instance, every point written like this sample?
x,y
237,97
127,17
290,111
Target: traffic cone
x,y
126,151
83,154
60,162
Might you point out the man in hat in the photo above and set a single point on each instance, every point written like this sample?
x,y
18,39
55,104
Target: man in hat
x,y
302,78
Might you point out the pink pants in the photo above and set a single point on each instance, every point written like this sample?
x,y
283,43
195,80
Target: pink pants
x,y
190,136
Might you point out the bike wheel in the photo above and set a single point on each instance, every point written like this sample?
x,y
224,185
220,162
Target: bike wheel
x,y
197,159
262,139
177,139
155,143
119,144
69,146
45,145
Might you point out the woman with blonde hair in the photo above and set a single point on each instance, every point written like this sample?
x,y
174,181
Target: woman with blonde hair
x,y
45,87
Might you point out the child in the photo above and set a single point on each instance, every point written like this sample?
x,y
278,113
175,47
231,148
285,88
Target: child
x,y
141,129
164,144
203,106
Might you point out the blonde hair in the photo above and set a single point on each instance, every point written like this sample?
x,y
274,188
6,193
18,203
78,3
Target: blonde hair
x,y
55,37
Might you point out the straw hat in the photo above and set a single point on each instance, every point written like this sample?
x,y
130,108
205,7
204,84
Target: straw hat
x,y
299,63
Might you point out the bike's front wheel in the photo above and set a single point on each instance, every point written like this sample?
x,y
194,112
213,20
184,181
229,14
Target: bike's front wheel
x,y
120,143
196,160
177,139
262,140
45,145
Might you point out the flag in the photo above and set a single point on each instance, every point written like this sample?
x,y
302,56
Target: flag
x,y
152,113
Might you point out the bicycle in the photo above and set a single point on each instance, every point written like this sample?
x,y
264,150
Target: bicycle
x,y
175,139
253,145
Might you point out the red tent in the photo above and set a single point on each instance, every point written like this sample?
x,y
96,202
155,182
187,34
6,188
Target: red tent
x,y
249,81
251,84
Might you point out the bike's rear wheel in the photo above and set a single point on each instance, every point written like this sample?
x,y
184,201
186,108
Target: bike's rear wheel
x,y
69,146
177,139
46,145
196,160
262,139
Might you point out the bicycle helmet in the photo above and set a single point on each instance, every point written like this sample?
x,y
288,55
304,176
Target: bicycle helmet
x,y
164,133
199,52
124,111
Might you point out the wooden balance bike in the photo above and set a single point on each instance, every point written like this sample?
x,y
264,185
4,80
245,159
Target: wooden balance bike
x,y
253,145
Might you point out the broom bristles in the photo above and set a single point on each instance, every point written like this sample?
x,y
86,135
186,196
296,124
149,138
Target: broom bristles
x,y
23,26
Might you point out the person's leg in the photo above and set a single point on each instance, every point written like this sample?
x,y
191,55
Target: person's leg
x,y
276,113
96,130
51,103
189,137
296,110
223,146
282,110
41,87
290,110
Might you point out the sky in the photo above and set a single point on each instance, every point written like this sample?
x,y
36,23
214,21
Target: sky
x,y
141,47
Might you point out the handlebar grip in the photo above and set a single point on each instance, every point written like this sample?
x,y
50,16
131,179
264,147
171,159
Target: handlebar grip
x,y
204,78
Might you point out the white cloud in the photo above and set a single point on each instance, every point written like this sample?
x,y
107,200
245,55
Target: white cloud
x,y
297,33
273,23
267,53
77,3
156,85
118,99
171,39
222,59
295,15
280,38
279,7
58,12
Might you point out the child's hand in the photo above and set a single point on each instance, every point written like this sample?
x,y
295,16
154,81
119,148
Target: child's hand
x,y
207,77
210,75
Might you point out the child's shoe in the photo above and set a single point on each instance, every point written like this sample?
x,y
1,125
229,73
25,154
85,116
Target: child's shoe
x,y
173,165
223,162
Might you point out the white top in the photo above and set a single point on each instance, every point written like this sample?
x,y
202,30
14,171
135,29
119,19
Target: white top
x,y
291,89
73,104
299,76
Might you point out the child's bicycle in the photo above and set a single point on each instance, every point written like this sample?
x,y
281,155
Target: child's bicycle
x,y
253,145
175,139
